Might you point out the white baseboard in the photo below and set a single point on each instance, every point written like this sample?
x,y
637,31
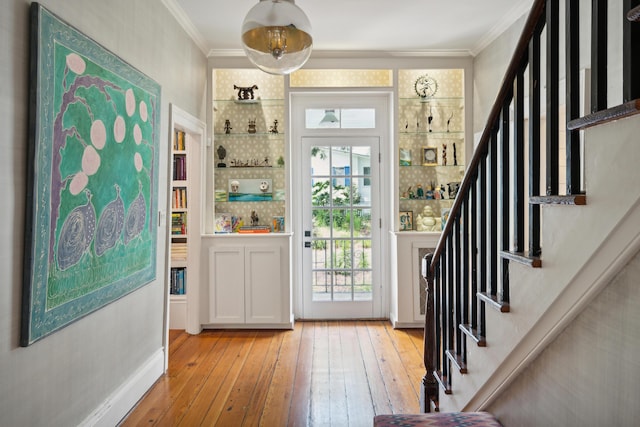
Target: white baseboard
x,y
116,406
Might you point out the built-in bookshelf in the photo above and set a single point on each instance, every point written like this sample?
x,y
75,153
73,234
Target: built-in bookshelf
x,y
179,213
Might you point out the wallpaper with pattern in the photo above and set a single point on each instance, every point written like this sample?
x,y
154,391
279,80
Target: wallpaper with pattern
x,y
258,152
438,123
341,78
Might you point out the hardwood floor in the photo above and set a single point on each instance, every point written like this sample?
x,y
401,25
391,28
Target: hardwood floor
x,y
320,374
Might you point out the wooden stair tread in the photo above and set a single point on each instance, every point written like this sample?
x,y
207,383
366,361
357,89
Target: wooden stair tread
x,y
456,359
494,302
571,199
474,334
522,258
610,114
442,381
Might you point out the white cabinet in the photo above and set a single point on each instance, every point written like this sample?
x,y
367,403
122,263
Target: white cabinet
x,y
249,281
408,295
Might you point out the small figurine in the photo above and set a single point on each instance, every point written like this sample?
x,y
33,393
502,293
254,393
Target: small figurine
x,y
444,154
426,220
252,126
430,118
455,155
254,218
449,121
245,93
274,129
227,127
420,191
222,153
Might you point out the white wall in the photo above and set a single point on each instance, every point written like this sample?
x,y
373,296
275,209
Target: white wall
x,y
589,375
62,379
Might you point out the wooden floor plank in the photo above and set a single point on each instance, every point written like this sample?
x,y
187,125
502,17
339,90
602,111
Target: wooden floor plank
x,y
187,356
401,393
410,358
379,394
257,403
321,373
360,410
337,371
211,388
320,411
237,404
278,402
225,388
300,403
182,403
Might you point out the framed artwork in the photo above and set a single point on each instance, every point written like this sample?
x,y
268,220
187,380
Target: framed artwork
x,y
406,220
405,157
429,156
92,202
250,190
223,223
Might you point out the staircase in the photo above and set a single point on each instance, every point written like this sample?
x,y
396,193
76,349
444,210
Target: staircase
x,y
521,257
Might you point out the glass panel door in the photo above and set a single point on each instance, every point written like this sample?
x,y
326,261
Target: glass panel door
x,y
341,231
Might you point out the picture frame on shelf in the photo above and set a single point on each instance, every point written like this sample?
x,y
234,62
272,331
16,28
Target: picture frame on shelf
x,y
405,157
406,220
223,223
429,156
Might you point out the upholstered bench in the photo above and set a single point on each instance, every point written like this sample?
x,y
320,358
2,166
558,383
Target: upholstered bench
x,y
437,419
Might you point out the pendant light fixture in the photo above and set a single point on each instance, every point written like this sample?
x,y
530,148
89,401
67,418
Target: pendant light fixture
x,y
276,36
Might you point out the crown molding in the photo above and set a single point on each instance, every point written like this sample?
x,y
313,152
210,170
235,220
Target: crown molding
x,y
356,54
180,15
503,25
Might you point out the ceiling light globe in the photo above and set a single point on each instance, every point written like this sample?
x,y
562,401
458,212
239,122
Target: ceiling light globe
x,y
276,36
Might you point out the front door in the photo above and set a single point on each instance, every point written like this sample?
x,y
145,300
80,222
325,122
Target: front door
x,y
341,233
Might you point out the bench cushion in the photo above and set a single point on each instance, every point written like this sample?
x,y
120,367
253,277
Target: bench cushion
x,y
438,419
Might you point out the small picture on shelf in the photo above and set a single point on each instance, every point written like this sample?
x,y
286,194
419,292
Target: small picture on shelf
x,y
221,195
250,190
405,157
223,223
277,224
429,156
406,220
444,216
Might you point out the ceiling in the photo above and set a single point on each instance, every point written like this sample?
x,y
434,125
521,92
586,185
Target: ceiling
x,y
401,26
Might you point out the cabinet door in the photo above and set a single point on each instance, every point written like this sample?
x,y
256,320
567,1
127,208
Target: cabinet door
x,y
226,285
263,302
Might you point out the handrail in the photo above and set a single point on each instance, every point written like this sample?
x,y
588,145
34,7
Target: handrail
x,y
506,89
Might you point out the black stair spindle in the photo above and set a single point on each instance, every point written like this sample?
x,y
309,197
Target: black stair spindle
x,y
572,55
599,17
553,96
534,143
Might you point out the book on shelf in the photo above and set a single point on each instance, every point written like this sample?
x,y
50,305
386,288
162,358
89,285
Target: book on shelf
x,y
179,251
179,141
178,281
179,198
254,229
179,223
179,168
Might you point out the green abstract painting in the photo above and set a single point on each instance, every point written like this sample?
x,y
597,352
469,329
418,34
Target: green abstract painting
x,y
91,229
